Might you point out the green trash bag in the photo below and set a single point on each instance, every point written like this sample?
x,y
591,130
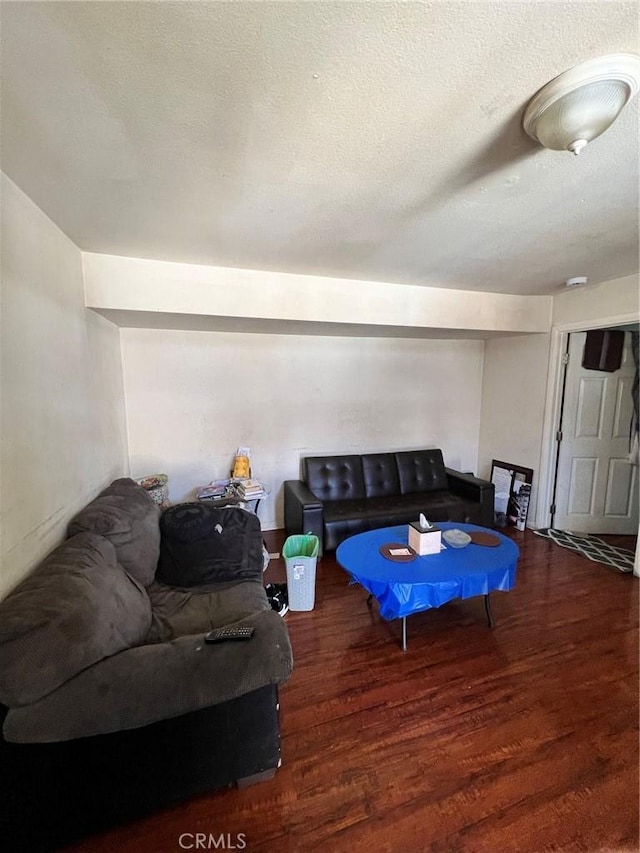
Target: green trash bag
x,y
303,545
301,555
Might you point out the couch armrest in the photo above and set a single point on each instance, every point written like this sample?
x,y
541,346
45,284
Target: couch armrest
x,y
474,489
303,511
149,683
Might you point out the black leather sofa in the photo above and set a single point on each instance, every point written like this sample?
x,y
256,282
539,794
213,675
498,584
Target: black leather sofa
x,y
340,496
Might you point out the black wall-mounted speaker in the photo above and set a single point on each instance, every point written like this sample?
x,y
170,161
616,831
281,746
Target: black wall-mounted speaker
x,y
603,350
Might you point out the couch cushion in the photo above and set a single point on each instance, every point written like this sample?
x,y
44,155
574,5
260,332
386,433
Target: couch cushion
x,y
421,471
200,544
401,509
380,475
436,506
176,612
149,683
78,607
334,478
343,519
345,510
125,515
347,518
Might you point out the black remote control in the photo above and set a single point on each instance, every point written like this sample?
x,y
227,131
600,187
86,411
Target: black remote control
x,y
222,634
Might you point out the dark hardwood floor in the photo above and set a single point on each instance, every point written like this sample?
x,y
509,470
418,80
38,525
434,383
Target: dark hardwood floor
x,y
521,738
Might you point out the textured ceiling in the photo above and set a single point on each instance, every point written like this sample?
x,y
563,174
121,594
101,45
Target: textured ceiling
x,y
375,141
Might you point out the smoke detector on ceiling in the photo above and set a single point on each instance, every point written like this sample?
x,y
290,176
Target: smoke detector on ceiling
x,y
578,281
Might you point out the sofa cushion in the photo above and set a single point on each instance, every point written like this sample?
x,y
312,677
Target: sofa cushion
x,y
201,544
78,607
400,509
380,475
345,510
343,519
334,478
347,518
421,471
437,506
149,683
125,515
176,612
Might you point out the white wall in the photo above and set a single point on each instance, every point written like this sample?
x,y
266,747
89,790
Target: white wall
x,y
173,291
513,399
63,423
611,303
519,386
193,397
600,304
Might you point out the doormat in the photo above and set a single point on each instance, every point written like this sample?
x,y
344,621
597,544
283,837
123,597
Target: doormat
x,y
595,549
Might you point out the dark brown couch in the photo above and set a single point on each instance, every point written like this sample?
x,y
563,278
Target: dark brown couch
x,y
113,706
339,496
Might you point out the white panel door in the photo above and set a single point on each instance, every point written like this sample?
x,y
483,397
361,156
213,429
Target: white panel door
x,y
597,486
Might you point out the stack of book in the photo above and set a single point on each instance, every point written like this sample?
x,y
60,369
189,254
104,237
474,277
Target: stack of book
x,y
217,489
250,490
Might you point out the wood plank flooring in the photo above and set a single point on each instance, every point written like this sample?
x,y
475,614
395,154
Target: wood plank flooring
x,y
521,738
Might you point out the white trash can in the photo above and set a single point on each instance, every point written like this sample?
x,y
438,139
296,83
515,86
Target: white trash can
x,y
301,556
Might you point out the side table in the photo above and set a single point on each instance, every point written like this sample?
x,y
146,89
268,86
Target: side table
x,y
232,496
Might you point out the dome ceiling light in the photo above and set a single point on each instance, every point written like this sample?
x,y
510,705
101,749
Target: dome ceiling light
x,y
580,104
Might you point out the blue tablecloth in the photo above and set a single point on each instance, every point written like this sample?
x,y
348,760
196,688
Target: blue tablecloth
x,y
430,581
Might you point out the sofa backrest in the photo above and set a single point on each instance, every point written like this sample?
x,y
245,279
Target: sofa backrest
x,y
78,607
373,475
380,473
334,478
125,514
421,471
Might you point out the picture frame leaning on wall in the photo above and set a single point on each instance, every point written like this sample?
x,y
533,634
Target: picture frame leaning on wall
x,y
512,493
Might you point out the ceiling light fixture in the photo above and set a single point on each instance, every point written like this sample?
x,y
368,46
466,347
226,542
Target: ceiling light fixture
x,y
580,104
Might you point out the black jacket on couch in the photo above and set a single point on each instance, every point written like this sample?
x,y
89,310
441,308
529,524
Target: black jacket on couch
x,y
340,496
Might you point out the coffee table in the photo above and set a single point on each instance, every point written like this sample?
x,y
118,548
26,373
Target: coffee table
x,y
402,589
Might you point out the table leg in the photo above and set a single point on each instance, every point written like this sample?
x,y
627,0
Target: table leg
x,y
404,633
487,607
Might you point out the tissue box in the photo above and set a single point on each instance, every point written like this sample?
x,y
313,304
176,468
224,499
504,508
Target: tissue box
x,y
424,541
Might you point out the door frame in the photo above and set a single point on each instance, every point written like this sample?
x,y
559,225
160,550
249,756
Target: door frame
x,y
552,406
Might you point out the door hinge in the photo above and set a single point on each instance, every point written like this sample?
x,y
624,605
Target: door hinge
x,y
552,509
559,435
565,358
